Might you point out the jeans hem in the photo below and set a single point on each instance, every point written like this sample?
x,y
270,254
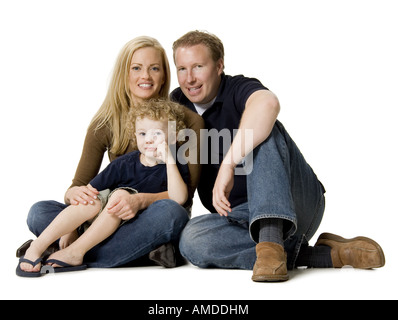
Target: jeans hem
x,y
291,261
215,265
289,233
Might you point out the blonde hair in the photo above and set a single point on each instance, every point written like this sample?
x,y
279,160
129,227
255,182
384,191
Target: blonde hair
x,y
118,101
158,110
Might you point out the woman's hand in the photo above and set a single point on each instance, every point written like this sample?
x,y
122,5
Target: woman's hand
x,y
124,205
81,195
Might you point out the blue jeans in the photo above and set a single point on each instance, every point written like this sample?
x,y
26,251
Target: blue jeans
x,y
281,185
160,223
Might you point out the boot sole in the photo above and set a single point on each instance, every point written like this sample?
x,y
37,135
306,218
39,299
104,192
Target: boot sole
x,y
270,278
333,237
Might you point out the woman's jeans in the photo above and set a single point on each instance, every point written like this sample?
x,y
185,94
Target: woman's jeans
x,y
160,223
281,185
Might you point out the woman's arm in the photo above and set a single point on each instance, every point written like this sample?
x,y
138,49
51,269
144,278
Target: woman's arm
x,y
95,145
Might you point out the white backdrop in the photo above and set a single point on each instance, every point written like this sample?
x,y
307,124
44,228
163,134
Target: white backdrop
x,y
333,65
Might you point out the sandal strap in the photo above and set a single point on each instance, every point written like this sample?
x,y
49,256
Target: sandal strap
x,y
58,262
33,263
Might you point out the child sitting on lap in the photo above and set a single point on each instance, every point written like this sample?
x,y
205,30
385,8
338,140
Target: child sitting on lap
x,y
151,169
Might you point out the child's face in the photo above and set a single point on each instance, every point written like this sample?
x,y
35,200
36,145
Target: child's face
x,y
149,134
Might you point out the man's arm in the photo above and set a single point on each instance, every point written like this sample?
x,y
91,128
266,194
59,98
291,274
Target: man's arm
x,y
262,109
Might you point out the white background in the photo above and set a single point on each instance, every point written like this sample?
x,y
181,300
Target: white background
x,y
333,65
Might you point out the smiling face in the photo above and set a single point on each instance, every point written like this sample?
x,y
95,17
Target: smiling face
x,y
149,134
198,74
146,75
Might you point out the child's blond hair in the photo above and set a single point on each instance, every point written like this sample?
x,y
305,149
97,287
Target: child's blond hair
x,y
158,110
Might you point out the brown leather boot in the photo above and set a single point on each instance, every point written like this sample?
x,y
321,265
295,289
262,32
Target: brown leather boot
x,y
270,264
359,252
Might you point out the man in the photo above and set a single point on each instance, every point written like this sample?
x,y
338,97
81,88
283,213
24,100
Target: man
x,y
266,217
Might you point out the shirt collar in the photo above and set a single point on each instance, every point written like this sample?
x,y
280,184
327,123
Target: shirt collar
x,y
220,93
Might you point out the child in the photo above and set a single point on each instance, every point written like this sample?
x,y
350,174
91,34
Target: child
x,y
151,169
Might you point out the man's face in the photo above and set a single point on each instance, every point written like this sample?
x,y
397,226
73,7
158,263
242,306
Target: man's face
x,y
198,74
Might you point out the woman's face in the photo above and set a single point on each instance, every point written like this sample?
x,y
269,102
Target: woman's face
x,y
146,75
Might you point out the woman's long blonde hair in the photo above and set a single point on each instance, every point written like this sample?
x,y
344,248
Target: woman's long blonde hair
x,y
118,101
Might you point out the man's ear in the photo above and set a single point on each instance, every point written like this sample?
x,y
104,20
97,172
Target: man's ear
x,y
220,66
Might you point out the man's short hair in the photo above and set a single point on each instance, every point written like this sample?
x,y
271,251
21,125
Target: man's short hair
x,y
196,37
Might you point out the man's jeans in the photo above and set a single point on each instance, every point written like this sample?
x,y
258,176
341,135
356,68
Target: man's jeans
x,y
160,223
281,185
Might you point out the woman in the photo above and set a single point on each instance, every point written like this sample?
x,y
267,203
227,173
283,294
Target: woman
x,y
141,72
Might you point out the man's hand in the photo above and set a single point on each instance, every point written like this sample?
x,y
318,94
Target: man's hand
x,y
222,188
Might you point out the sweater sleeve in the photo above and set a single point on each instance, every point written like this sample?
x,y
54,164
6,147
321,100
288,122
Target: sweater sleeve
x,y
95,145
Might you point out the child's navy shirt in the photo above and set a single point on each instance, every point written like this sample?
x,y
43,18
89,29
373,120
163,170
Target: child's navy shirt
x,y
128,171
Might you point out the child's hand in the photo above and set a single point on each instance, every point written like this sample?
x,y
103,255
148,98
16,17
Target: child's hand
x,y
162,152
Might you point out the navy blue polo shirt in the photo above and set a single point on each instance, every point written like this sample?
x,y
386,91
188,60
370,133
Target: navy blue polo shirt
x,y
225,113
128,171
